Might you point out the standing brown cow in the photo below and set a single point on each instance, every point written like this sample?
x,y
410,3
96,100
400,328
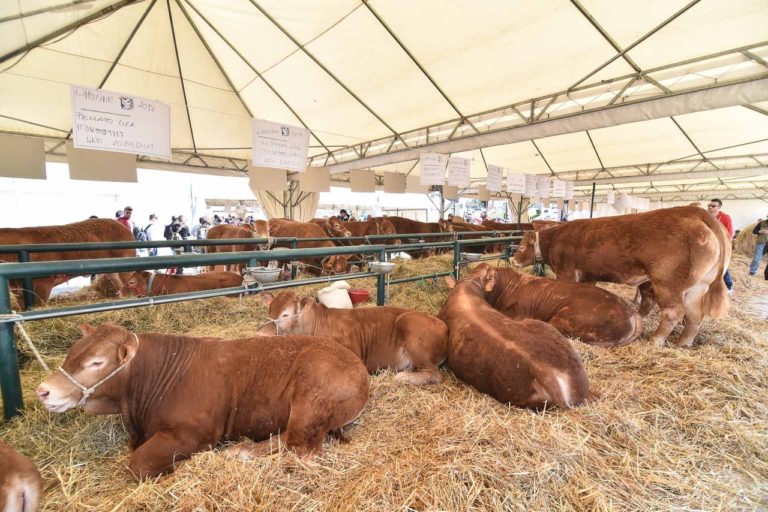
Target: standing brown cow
x,y
92,230
681,252
526,363
20,483
179,395
284,228
332,226
591,314
259,229
384,337
415,227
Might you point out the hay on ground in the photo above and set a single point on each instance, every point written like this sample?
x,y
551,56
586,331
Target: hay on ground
x,y
670,429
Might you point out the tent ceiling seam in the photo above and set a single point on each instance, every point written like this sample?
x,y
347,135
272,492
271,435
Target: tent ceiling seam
x,y
181,75
260,76
638,41
213,57
326,70
418,64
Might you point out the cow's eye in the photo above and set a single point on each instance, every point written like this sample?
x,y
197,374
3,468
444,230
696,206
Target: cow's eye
x,y
96,364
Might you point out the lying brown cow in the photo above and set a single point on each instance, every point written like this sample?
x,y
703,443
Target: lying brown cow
x,y
415,227
279,228
384,337
179,395
151,284
526,363
259,229
20,483
683,252
332,226
591,314
92,230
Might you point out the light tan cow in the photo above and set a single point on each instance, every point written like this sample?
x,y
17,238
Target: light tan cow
x,y
150,284
259,229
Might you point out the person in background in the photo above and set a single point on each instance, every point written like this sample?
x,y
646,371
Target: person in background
x,y
154,232
761,230
450,217
714,210
118,214
343,215
93,217
125,219
200,229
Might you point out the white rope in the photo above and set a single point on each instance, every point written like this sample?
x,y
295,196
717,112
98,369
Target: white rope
x,y
17,320
87,392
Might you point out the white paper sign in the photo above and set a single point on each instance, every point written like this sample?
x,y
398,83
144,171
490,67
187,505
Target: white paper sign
x,y
279,145
515,183
569,190
495,178
433,168
558,188
112,121
530,185
458,171
542,186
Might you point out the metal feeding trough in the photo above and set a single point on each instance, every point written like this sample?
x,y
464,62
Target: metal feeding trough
x,y
470,256
381,267
260,275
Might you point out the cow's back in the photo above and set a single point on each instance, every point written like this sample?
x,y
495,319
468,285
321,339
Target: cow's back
x,y
20,482
284,228
92,230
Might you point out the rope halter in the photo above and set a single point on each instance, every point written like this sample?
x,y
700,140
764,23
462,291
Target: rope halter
x,y
87,392
538,260
279,319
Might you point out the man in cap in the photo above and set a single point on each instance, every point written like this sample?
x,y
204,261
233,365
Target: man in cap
x,y
125,220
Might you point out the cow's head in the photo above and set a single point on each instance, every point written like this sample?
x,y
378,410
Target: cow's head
x,y
335,264
385,227
288,314
135,285
526,251
334,227
484,276
102,350
445,226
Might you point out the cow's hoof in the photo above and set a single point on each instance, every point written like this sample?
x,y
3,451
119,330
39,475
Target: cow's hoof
x,y
658,342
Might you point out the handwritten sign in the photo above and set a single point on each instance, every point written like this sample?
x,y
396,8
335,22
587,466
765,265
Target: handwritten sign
x,y
495,178
558,188
433,168
279,145
542,187
569,190
530,185
458,171
515,183
112,121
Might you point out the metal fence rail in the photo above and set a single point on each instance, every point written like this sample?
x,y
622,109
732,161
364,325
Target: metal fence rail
x,y
10,384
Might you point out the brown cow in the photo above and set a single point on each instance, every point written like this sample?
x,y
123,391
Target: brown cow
x,y
179,395
259,229
151,284
463,227
379,226
415,227
591,314
20,483
526,363
92,230
505,226
384,337
682,252
333,226
280,228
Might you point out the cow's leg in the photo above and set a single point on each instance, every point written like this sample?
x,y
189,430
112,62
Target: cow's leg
x,y
160,452
423,348
693,315
672,311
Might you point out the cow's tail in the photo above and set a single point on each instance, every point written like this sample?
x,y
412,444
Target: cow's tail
x,y
715,302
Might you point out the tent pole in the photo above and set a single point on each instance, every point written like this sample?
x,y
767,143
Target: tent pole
x,y
592,201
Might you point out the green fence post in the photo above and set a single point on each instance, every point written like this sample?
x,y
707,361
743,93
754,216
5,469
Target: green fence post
x,y
27,285
294,245
456,259
381,283
10,382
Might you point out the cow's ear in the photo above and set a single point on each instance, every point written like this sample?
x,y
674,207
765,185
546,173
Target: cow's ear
x,y
267,298
307,301
490,280
127,350
450,281
86,329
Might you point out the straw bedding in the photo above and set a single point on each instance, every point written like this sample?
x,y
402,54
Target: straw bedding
x,y
669,429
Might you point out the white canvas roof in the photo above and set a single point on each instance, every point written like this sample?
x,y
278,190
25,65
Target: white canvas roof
x,y
583,89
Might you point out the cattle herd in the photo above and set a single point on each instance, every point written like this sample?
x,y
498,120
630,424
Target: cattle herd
x,y
304,374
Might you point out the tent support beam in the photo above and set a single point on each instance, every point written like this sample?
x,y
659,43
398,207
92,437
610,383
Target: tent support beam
x,y
326,70
181,75
63,30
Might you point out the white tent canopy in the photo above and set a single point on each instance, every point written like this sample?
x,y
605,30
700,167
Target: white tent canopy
x,y
669,93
